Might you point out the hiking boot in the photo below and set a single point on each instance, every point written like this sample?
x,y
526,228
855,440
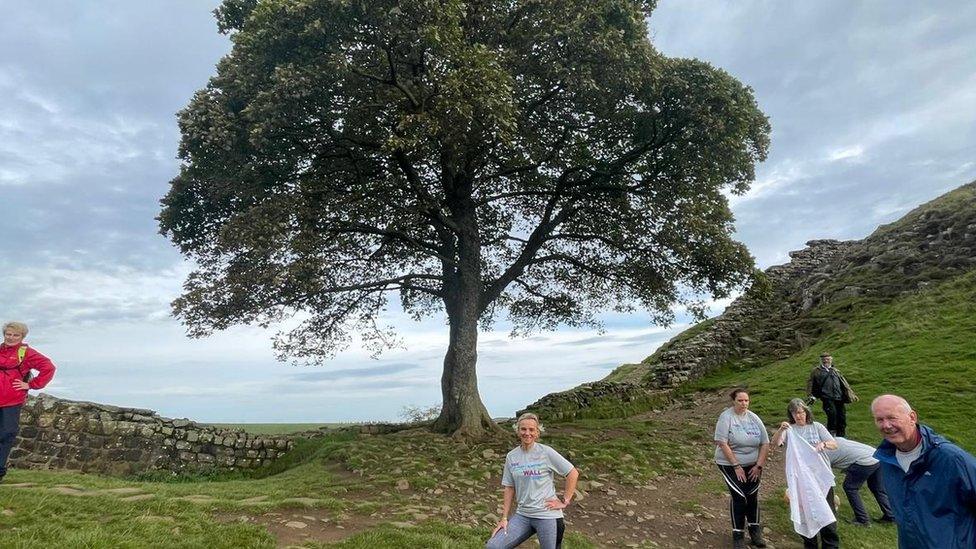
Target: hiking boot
x,y
886,518
755,536
739,540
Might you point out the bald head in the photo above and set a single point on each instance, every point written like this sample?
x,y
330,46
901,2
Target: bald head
x,y
896,421
892,400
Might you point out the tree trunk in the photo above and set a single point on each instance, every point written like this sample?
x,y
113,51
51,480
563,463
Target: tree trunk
x,y
462,412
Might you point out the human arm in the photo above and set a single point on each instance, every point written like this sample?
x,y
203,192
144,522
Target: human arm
x,y
568,492
740,473
780,434
34,360
756,470
826,439
779,437
507,500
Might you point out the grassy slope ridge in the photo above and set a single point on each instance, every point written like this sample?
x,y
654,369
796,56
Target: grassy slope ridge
x,y
920,346
890,260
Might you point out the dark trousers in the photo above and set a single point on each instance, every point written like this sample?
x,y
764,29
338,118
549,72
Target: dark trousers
x,y
828,534
744,505
836,417
9,427
854,479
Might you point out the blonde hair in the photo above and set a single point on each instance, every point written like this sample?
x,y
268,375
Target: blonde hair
x,y
17,326
525,416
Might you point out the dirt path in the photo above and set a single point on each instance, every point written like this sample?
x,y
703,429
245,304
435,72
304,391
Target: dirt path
x,y
689,509
675,510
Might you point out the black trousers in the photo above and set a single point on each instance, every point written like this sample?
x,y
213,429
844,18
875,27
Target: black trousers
x,y
828,534
9,427
836,417
744,505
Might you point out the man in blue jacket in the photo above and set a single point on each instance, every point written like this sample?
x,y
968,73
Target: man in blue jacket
x,y
930,481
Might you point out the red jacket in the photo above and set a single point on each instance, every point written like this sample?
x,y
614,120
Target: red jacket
x,y
9,371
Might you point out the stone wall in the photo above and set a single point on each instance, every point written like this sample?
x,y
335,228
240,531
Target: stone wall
x,y
934,242
84,436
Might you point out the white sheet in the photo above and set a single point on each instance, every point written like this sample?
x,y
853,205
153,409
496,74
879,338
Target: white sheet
x,y
808,479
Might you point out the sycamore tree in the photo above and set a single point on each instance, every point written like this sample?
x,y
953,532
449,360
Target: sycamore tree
x,y
533,160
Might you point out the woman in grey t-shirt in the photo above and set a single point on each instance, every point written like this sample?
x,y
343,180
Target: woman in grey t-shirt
x,y
741,446
528,481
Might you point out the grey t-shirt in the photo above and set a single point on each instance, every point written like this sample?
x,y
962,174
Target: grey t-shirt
x,y
849,452
530,473
745,434
813,433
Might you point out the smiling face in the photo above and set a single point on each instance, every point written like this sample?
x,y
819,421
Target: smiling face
x,y
528,432
896,421
12,337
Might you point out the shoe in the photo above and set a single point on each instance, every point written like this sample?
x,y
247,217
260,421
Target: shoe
x,y
739,540
886,519
755,536
859,523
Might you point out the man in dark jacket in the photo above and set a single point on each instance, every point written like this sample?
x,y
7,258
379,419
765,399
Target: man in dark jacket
x,y
829,385
930,481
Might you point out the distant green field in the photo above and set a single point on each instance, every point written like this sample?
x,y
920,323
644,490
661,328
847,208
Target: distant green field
x,y
279,428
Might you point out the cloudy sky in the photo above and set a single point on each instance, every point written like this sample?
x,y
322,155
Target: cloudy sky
x,y
873,107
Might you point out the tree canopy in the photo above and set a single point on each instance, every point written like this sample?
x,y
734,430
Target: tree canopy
x,y
535,159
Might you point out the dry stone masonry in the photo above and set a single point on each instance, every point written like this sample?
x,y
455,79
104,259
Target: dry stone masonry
x,y
84,436
934,242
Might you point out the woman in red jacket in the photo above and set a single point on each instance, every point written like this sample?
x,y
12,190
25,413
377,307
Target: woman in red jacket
x,y
17,360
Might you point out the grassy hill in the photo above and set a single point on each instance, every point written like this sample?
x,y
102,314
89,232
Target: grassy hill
x,y
920,347
414,489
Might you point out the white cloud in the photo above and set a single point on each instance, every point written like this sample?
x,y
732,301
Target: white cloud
x,y
845,153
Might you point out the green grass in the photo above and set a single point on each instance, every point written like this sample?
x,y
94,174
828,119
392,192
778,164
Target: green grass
x,y
920,347
35,518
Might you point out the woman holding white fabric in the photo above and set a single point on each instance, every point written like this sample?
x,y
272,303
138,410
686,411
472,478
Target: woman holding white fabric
x,y
802,424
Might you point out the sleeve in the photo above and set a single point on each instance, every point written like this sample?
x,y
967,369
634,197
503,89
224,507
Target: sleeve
x,y
722,427
34,360
811,381
558,463
823,433
966,467
507,479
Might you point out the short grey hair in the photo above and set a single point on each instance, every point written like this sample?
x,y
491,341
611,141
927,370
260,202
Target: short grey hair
x,y
906,407
798,404
19,327
525,416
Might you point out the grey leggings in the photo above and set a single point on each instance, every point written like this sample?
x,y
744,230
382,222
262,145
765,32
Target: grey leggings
x,y
549,530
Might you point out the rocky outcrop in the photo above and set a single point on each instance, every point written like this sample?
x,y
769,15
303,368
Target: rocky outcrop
x,y
806,298
84,436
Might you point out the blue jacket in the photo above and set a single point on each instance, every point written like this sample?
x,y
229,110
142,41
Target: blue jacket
x,y
935,501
